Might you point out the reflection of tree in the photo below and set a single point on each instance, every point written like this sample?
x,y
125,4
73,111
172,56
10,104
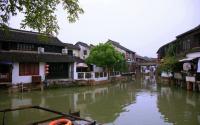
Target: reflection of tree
x,y
102,103
106,108
179,107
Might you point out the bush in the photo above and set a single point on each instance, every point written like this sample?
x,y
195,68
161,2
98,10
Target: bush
x,y
170,64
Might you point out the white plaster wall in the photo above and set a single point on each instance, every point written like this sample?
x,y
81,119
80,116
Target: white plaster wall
x,y
76,53
81,52
82,48
42,70
16,79
75,73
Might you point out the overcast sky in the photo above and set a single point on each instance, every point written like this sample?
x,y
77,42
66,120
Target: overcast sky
x,y
140,25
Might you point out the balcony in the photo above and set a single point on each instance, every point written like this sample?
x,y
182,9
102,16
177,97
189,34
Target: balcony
x,y
97,76
5,77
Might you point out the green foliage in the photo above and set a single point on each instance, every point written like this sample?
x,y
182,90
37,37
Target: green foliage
x,y
171,51
121,66
104,55
170,62
39,14
168,65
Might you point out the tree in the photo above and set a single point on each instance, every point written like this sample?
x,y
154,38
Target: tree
x,y
170,62
171,50
39,14
104,55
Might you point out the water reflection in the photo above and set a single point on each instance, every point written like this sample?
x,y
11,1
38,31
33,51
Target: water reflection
x,y
178,106
140,102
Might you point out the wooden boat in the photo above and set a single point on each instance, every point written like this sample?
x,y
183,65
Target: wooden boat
x,y
73,117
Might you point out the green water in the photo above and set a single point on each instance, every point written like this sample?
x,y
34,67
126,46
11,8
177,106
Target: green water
x,y
140,102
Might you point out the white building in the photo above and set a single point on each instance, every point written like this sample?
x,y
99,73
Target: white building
x,y
128,54
84,50
27,57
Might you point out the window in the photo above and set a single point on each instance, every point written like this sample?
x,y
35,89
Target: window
x,y
198,40
85,52
26,69
25,47
70,52
127,55
5,46
188,44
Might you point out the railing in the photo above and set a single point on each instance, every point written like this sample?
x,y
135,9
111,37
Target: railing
x,y
115,74
4,77
95,75
36,79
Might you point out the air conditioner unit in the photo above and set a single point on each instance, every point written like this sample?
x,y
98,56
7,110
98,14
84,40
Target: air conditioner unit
x,y
64,51
40,50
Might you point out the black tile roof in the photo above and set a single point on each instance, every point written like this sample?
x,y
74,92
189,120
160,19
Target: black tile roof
x,y
165,45
82,44
190,31
119,46
14,35
180,36
140,57
79,60
33,57
71,46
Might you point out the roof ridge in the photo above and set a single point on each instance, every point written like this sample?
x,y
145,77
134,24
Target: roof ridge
x,y
83,43
189,31
117,43
29,32
24,36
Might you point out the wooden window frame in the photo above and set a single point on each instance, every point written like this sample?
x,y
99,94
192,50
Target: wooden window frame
x,y
28,69
84,52
70,52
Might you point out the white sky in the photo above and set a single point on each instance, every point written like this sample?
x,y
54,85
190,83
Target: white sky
x,y
140,25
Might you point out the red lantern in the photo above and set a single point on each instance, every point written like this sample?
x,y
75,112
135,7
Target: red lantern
x,y
46,69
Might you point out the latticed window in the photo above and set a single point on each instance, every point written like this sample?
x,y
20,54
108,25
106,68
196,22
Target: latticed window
x,y
70,52
26,69
25,47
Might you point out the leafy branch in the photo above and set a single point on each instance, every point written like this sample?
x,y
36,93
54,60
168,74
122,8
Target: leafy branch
x,y
39,14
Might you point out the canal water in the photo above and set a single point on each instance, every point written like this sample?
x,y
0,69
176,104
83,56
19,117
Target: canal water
x,y
140,102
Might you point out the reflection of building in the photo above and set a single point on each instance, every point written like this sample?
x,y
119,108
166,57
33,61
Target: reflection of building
x,y
149,82
102,103
79,98
106,108
179,107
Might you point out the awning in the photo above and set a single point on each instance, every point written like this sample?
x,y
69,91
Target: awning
x,y
81,65
187,59
6,62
